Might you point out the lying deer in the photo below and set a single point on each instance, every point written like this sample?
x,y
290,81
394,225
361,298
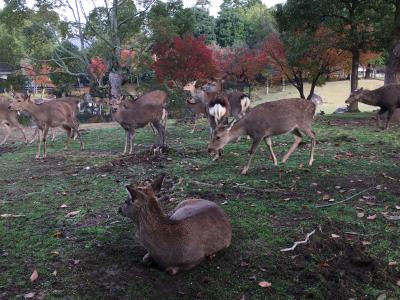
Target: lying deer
x,y
197,229
146,109
198,109
48,115
266,120
9,119
386,97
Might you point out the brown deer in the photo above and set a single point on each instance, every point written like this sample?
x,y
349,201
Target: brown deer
x,y
9,119
216,104
239,102
48,115
131,115
266,120
386,97
73,102
197,228
197,108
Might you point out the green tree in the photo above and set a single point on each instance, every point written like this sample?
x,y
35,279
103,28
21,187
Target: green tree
x,y
360,25
230,27
204,24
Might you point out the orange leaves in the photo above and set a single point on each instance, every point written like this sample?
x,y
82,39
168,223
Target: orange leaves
x,y
98,68
34,276
265,284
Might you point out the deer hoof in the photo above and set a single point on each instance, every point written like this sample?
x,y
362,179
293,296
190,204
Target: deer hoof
x,y
147,260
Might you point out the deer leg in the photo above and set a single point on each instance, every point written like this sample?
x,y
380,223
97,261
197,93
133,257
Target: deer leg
x,y
53,135
8,132
44,138
389,116
161,133
268,141
126,142
68,130
297,139
252,151
22,131
379,117
131,137
311,135
75,127
194,126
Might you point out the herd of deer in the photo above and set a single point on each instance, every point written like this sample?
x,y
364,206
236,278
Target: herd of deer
x,y
197,228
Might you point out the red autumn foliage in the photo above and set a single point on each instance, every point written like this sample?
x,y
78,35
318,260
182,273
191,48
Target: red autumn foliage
x,y
184,60
40,76
98,68
126,57
240,64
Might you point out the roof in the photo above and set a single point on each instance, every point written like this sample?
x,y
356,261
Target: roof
x,y
6,68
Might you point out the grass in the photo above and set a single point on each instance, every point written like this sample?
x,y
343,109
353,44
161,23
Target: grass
x,y
96,256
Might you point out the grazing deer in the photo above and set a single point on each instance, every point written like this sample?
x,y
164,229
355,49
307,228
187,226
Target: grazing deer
x,y
386,97
216,103
266,120
197,229
49,115
198,109
9,119
239,102
146,109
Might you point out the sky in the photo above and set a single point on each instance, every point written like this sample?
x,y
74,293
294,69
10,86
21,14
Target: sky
x,y
214,9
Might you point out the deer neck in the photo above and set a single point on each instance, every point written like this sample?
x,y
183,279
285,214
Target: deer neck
x,y
150,219
32,109
236,131
370,98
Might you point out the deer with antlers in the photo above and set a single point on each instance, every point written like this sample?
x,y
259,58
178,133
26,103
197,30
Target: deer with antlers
x,y
267,120
131,115
9,119
48,115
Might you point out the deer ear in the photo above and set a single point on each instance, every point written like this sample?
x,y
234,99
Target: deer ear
x,y
134,193
157,183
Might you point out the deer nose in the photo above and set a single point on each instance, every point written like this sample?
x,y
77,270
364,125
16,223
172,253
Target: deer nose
x,y
9,107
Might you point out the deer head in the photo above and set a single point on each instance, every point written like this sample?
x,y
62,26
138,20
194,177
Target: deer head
x,y
20,101
190,86
355,96
139,196
220,138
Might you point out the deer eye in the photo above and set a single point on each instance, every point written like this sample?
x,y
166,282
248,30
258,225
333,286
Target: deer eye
x,y
218,138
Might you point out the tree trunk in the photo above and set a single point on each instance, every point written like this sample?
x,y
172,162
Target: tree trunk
x,y
354,77
115,80
394,54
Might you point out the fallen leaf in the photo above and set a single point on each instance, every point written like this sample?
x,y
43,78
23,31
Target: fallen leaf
x,y
55,253
58,234
63,206
392,263
243,264
365,243
264,284
72,213
398,282
76,262
360,215
381,297
391,217
30,295
34,276
54,273
326,197
335,236
371,217
397,206
324,265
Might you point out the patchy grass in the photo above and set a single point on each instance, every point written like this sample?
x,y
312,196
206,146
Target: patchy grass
x,y
95,254
333,93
